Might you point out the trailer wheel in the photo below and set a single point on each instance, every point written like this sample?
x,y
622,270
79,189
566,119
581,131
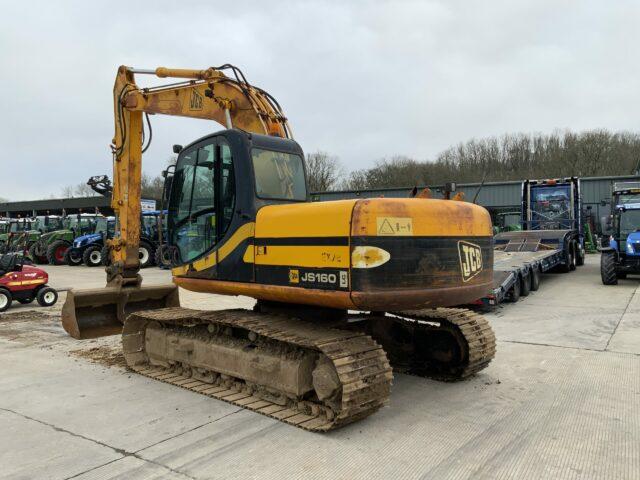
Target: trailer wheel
x,y
573,260
47,296
525,284
515,291
92,256
535,279
580,256
565,266
608,268
5,299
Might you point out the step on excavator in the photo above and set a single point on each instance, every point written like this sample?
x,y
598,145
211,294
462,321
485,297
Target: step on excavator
x,y
345,290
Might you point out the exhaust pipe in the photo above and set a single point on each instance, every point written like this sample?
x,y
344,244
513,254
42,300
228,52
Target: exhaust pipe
x,y
101,312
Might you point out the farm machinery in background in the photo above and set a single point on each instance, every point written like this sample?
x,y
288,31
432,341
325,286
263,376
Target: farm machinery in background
x,y
14,229
5,224
25,240
52,247
92,248
153,228
87,248
620,250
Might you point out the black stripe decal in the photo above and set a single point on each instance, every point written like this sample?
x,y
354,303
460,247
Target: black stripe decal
x,y
469,238
301,241
344,241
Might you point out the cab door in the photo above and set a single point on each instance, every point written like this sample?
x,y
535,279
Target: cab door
x,y
235,230
202,212
192,208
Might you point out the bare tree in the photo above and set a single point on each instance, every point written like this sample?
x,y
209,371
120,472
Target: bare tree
x,y
67,192
511,157
323,171
83,190
152,187
357,180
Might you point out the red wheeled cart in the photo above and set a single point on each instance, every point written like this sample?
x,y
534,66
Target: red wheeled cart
x,y
23,283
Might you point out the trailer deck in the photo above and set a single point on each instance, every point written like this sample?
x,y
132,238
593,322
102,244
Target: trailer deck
x,y
521,253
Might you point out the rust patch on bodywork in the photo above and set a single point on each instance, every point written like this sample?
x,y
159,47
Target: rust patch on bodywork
x,y
429,217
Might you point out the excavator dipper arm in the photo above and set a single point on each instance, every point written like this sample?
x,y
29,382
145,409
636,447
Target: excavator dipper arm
x,y
207,94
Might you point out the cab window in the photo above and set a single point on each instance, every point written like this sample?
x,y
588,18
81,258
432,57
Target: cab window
x,y
278,175
202,199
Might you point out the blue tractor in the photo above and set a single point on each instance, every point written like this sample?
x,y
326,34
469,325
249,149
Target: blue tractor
x,y
87,248
152,237
620,252
154,231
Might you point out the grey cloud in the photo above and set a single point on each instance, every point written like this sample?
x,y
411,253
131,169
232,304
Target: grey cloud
x,y
362,80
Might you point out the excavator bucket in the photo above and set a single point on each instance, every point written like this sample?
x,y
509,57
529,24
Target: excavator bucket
x,y
101,312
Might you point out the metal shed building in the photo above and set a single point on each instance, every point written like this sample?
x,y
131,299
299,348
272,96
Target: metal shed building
x,y
57,206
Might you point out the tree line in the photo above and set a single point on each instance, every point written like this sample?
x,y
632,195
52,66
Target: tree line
x,y
509,157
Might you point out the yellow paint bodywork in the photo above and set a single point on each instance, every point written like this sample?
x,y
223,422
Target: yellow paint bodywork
x,y
315,219
305,220
398,217
284,237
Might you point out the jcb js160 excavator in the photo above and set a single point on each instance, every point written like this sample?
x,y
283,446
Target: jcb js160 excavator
x,y
240,223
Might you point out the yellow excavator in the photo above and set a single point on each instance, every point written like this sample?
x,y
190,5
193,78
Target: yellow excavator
x,y
345,290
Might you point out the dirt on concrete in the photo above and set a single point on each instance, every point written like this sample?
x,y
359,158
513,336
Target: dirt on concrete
x,y
27,316
110,356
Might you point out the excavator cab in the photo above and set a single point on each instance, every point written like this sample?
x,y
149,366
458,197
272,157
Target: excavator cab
x,y
220,182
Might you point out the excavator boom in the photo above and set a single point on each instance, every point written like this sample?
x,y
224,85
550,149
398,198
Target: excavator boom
x,y
207,94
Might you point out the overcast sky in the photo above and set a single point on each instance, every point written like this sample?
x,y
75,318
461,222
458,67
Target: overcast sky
x,y
361,80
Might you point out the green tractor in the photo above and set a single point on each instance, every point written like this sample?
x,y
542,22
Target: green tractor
x,y
4,229
25,241
53,245
507,222
16,226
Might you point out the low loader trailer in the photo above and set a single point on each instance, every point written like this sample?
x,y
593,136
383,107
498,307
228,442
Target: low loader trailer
x,y
551,239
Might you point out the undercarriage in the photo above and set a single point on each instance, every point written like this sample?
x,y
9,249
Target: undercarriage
x,y
318,376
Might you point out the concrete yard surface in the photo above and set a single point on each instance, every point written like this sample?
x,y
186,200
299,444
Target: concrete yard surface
x,y
561,400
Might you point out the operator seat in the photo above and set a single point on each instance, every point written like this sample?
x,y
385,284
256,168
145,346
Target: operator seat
x,y
8,263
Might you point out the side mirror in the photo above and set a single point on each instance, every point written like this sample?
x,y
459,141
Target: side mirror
x,y
177,148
